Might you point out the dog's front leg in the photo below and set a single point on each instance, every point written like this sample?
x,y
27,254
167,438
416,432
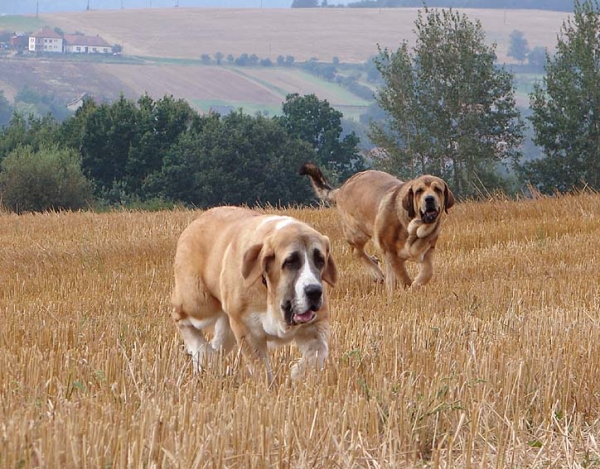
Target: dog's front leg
x,y
313,342
395,269
425,269
253,348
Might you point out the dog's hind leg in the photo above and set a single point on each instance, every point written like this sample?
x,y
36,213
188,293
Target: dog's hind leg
x,y
193,338
368,262
194,310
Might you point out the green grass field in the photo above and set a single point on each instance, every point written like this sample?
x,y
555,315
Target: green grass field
x,y
21,23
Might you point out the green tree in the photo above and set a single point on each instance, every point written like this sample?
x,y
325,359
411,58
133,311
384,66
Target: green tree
x,y
179,178
237,159
109,133
48,179
6,110
518,48
124,143
159,124
31,131
451,112
537,57
566,107
314,121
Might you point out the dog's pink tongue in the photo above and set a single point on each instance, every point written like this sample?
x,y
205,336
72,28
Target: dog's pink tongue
x,y
305,317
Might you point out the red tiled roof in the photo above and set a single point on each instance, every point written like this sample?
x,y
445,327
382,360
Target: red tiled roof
x,y
88,41
47,32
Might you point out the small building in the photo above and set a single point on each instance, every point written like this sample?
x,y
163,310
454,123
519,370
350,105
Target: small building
x,y
19,41
80,44
46,40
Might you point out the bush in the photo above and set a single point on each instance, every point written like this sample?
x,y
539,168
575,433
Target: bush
x,y
50,179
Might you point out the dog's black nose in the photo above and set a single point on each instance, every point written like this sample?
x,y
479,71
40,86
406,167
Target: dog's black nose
x,y
430,200
313,292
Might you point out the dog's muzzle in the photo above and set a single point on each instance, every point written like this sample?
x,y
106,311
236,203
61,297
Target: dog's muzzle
x,y
314,296
431,211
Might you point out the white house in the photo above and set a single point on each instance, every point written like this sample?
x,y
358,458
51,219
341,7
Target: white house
x,y
46,40
80,44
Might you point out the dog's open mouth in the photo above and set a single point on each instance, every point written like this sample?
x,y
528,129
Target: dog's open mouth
x,y
304,317
429,215
294,319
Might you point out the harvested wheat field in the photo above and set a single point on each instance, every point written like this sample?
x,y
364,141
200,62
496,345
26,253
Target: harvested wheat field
x,y
351,34
496,363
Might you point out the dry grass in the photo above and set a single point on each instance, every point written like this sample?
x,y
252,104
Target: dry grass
x,y
495,364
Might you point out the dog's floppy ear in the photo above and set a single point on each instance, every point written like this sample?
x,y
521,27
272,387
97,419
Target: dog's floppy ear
x,y
254,263
408,203
330,272
448,198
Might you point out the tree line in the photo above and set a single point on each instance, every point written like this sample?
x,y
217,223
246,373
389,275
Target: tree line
x,y
162,152
447,109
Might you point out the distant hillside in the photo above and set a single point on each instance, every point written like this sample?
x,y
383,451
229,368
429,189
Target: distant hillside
x,y
162,51
350,34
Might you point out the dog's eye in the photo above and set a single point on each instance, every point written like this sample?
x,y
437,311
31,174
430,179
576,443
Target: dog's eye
x,y
419,191
438,190
292,261
319,259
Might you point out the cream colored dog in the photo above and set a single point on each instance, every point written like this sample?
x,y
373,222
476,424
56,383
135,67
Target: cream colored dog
x,y
403,218
258,280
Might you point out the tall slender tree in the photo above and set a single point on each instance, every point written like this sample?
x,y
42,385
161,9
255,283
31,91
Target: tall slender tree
x,y
452,112
518,47
566,107
6,110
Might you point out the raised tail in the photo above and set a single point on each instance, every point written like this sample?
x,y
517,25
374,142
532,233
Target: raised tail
x,y
322,188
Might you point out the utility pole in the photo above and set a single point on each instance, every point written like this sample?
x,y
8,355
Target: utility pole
x,y
88,5
37,8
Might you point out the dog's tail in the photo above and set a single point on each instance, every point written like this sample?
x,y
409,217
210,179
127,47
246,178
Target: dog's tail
x,y
322,188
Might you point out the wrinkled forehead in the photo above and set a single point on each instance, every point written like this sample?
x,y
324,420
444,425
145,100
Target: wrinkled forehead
x,y
429,182
297,237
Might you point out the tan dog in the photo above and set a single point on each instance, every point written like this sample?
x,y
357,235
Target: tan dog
x,y
403,218
256,279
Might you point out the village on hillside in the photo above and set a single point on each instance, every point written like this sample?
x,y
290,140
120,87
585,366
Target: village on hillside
x,y
49,40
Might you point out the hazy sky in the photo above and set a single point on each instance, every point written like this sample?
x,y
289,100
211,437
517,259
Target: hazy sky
x,y
30,6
